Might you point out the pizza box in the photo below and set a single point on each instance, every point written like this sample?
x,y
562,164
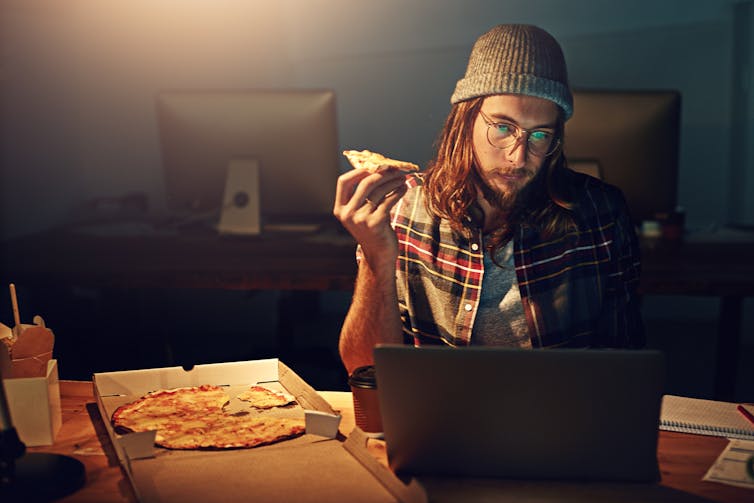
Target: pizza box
x,y
34,406
315,467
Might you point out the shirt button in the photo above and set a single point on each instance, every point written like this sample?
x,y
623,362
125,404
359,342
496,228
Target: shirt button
x,y
468,307
474,246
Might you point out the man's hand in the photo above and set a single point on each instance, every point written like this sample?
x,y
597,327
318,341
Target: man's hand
x,y
363,201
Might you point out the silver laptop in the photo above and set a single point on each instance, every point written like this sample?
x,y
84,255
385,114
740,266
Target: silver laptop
x,y
565,414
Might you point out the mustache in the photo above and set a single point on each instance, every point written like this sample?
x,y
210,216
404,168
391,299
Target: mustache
x,y
514,171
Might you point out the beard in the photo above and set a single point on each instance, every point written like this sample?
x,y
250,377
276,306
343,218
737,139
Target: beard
x,y
513,205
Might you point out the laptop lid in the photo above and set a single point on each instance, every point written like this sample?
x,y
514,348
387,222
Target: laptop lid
x,y
569,414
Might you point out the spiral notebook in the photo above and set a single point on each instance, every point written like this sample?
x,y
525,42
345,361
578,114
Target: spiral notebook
x,y
704,417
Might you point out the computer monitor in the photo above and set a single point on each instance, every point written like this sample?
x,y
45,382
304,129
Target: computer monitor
x,y
634,137
291,134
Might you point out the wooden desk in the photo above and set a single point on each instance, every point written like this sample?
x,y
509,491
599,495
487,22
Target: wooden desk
x,y
683,458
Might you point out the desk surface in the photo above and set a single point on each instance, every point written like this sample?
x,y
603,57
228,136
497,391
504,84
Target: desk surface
x,y
683,458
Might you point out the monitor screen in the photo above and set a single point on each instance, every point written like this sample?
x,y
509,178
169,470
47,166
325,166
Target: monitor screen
x,y
633,136
291,134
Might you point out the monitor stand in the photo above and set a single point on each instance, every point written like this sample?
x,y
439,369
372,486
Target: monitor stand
x,y
240,210
299,223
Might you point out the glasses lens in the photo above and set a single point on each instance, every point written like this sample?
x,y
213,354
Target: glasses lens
x,y
502,135
539,143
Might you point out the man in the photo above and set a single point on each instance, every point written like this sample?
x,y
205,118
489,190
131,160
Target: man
x,y
497,242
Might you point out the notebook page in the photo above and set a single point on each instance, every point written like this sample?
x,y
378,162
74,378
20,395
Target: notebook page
x,y
704,417
730,466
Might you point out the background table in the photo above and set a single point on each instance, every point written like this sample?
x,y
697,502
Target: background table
x,y
302,264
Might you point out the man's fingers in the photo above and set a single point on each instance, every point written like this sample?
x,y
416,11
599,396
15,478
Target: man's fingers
x,y
347,184
353,190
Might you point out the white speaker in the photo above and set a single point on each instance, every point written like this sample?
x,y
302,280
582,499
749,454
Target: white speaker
x,y
240,210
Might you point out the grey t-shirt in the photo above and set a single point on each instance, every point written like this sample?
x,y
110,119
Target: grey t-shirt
x,y
500,319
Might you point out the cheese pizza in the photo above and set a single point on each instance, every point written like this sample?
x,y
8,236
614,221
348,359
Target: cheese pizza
x,y
372,161
195,418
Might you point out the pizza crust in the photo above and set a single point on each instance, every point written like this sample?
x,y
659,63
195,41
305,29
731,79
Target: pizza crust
x,y
372,161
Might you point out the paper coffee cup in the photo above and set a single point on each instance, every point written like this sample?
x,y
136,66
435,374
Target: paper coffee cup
x,y
366,405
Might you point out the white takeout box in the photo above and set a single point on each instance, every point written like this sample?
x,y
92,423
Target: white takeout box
x,y
315,467
34,404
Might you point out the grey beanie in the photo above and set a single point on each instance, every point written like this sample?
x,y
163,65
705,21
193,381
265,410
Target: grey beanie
x,y
516,59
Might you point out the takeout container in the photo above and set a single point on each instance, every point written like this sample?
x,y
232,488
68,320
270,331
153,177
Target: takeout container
x,y
27,349
30,377
34,406
315,467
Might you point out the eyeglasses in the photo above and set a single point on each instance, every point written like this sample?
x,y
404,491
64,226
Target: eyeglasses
x,y
504,135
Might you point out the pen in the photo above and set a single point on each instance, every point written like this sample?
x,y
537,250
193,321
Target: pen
x,y
748,415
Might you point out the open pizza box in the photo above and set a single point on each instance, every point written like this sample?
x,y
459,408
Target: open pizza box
x,y
317,466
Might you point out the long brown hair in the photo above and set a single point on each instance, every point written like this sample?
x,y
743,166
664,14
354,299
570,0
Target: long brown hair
x,y
452,181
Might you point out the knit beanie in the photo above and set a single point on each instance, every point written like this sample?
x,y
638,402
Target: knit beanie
x,y
516,59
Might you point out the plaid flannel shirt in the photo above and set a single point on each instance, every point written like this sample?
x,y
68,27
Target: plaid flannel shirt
x,y
578,290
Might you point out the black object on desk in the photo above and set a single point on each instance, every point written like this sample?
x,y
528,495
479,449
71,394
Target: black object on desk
x,y
32,476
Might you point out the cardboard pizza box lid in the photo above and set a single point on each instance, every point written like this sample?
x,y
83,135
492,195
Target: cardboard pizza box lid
x,y
312,473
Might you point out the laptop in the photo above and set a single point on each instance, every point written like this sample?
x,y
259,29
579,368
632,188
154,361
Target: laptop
x,y
558,414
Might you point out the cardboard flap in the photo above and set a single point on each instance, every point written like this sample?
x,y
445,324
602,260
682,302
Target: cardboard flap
x,y
305,395
138,445
412,492
140,382
33,340
5,332
311,473
322,423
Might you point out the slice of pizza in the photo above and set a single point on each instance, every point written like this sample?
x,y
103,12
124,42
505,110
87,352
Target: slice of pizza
x,y
372,161
265,398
